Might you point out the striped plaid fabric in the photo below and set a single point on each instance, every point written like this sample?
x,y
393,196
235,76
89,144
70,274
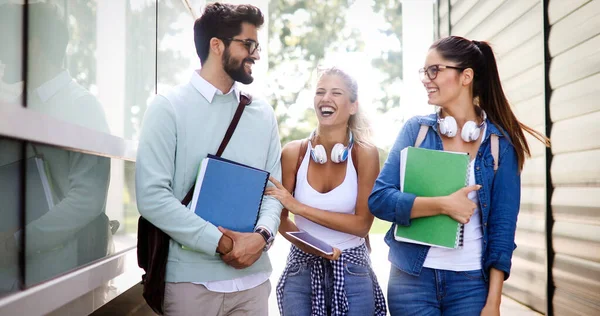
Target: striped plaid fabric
x,y
357,255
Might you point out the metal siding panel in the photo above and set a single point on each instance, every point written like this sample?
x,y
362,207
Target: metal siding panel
x,y
519,31
579,62
531,231
567,304
577,239
521,58
577,98
534,172
578,284
576,134
443,8
533,201
478,13
576,169
444,26
558,9
526,85
577,205
505,15
536,148
459,10
531,112
527,280
576,28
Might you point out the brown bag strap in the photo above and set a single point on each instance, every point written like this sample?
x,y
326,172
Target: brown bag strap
x,y
244,101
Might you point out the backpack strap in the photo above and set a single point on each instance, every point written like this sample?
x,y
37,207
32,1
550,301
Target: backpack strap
x,y
421,136
494,143
301,153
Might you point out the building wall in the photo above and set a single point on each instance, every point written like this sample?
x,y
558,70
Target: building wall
x,y
560,204
574,46
68,148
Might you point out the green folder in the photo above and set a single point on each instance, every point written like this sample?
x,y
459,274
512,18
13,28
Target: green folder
x,y
429,173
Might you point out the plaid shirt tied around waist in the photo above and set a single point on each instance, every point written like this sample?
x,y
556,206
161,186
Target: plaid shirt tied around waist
x,y
357,255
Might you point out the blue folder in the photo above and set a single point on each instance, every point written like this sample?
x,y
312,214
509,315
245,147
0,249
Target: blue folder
x,y
229,194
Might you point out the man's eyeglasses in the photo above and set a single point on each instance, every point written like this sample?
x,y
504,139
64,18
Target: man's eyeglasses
x,y
433,70
251,45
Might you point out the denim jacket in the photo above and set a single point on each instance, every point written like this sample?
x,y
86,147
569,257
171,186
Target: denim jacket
x,y
499,198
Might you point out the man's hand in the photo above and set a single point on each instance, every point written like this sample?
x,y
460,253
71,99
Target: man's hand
x,y
225,245
247,248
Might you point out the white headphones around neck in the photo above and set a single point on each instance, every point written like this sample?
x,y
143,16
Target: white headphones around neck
x,y
469,132
339,152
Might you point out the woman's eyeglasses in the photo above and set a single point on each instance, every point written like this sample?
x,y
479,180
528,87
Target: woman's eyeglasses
x,y
433,70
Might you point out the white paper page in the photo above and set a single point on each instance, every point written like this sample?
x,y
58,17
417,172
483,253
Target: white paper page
x,y
199,178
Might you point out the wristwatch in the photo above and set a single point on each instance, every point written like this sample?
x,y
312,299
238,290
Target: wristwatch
x,y
266,235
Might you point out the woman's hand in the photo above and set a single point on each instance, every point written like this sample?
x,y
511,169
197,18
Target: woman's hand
x,y
336,252
283,195
458,206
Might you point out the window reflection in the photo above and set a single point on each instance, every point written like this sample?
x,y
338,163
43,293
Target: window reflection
x,y
10,209
65,211
11,54
90,63
71,218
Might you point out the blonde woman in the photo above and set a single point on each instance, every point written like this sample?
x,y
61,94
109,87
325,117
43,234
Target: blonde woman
x,y
331,180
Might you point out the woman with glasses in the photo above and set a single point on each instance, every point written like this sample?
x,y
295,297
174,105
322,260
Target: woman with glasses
x,y
474,116
331,174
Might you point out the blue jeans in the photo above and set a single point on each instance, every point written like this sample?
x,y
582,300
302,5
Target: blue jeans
x,y
297,291
436,292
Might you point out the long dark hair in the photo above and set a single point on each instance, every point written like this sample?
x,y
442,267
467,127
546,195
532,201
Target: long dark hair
x,y
487,87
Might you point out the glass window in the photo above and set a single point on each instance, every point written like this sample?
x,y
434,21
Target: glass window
x,y
176,56
11,168
79,208
11,54
92,63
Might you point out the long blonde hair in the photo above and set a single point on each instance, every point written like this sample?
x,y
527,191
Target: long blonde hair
x,y
358,123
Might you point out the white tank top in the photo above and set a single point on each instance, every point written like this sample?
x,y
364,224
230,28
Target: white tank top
x,y
342,199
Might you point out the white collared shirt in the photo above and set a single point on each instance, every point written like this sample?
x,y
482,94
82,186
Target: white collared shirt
x,y
62,98
208,91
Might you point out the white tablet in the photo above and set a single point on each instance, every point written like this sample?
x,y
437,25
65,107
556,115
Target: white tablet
x,y
312,241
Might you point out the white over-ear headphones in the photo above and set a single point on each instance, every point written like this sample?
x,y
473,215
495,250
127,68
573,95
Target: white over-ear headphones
x,y
339,152
470,131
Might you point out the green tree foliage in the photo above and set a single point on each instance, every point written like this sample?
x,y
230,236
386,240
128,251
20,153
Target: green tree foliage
x,y
301,33
390,62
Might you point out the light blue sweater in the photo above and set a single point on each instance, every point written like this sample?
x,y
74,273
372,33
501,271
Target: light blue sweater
x,y
180,128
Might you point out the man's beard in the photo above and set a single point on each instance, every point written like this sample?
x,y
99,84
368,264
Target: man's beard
x,y
235,69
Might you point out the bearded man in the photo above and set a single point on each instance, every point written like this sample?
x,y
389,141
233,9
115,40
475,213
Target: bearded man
x,y
211,271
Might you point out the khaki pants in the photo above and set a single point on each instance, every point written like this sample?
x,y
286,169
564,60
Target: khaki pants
x,y
187,299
